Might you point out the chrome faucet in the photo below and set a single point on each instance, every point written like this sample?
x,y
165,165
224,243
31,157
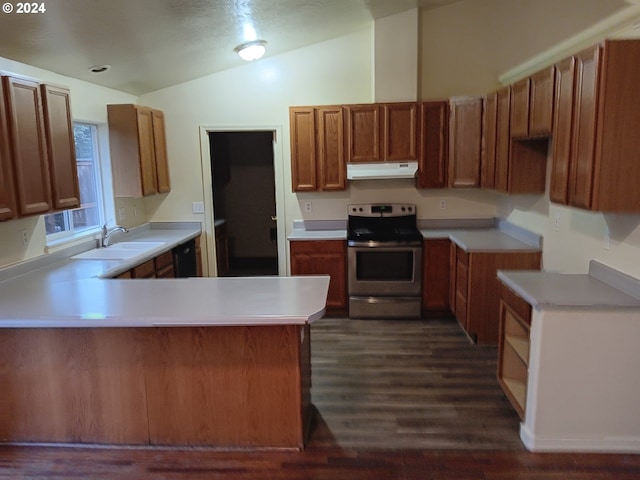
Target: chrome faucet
x,y
106,234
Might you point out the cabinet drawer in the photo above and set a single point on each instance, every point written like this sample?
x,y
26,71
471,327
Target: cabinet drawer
x,y
166,272
163,260
144,270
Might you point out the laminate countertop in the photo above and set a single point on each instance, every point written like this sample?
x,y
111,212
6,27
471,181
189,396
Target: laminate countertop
x,y
59,291
601,288
472,235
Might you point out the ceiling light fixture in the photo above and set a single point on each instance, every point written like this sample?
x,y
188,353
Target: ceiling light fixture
x,y
251,51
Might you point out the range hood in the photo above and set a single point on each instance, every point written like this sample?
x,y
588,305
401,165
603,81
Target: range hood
x,y
367,171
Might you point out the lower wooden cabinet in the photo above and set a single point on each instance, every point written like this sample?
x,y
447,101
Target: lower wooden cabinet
x,y
476,292
323,257
436,271
163,264
513,348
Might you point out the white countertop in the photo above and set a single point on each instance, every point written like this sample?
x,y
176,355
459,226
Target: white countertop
x,y
79,293
228,301
550,290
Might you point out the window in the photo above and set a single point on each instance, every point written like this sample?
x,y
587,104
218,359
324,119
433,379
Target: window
x,y
90,214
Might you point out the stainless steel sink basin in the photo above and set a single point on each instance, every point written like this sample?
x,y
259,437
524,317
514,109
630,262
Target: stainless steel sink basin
x,y
119,251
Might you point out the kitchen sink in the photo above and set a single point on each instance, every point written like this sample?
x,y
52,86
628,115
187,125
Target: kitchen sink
x,y
119,251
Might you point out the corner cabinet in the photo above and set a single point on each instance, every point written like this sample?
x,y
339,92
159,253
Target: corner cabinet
x,y
138,151
513,348
317,148
597,115
476,288
323,257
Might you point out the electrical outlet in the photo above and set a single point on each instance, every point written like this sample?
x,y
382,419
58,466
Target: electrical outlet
x,y
122,213
443,204
308,206
197,207
24,237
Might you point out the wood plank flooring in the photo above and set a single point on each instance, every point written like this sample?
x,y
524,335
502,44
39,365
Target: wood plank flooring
x,y
395,400
407,384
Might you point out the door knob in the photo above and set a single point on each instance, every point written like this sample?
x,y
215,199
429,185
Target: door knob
x,y
274,218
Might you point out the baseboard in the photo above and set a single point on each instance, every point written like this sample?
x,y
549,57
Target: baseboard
x,y
591,444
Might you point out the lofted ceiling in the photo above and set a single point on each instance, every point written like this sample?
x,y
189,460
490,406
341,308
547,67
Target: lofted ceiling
x,y
152,44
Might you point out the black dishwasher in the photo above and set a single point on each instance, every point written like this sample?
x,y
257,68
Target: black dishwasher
x,y
184,259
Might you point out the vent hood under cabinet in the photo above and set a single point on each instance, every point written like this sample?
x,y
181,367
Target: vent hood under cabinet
x,y
367,171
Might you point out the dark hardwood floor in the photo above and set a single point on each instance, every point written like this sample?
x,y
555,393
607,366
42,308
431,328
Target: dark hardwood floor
x,y
395,400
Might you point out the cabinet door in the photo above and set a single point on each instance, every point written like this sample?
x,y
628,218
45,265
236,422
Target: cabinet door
x,y
400,127
465,135
363,133
330,148
563,117
435,275
28,145
147,151
323,257
7,193
584,124
432,170
503,139
303,149
520,108
61,147
160,152
541,102
488,154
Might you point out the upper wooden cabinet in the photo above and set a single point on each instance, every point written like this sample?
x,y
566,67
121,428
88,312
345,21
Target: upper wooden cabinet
x,y
400,129
541,103
138,151
520,108
433,137
7,192
503,139
465,134
363,133
28,145
563,119
61,147
160,149
532,105
317,148
488,152
382,132
603,170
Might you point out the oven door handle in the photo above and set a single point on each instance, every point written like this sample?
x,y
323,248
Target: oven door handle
x,y
377,244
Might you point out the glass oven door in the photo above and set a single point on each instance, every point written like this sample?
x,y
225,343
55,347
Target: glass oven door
x,y
385,270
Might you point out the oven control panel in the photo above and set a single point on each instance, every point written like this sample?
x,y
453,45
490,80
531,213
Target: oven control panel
x,y
382,210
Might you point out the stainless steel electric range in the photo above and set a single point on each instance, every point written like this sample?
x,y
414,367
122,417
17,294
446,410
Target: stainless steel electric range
x,y
384,251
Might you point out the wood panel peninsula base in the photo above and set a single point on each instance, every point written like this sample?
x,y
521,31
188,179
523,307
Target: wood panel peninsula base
x,y
219,386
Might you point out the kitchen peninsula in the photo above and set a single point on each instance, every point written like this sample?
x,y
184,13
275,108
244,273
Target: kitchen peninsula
x,y
222,362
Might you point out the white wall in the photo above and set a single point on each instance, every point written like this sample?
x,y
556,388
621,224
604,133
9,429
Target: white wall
x,y
88,103
396,57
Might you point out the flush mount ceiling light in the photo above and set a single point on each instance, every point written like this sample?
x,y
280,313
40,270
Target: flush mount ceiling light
x,y
251,51
99,68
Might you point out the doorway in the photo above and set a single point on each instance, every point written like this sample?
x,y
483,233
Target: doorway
x,y
244,200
